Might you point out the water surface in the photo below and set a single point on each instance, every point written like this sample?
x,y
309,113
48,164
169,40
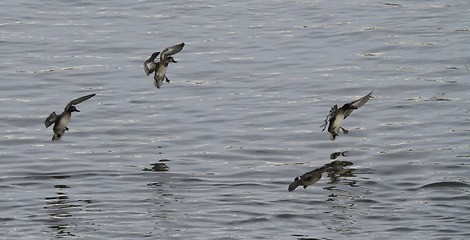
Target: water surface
x,y
238,122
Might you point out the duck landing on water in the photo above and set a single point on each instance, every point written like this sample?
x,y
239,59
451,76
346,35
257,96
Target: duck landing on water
x,y
336,116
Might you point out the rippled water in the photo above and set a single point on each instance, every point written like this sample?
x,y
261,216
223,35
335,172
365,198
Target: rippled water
x,y
239,121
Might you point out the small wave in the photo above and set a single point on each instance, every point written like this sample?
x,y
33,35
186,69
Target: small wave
x,y
445,185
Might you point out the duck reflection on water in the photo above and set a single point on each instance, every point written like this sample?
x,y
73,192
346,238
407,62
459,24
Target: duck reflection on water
x,y
337,154
334,169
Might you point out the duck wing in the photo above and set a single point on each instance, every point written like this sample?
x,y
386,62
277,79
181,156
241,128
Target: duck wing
x,y
357,104
149,64
171,50
51,119
154,55
149,67
79,100
330,115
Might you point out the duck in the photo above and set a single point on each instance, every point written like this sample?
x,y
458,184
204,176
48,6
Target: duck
x,y
336,116
151,66
60,121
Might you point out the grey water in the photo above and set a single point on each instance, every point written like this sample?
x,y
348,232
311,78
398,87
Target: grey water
x,y
238,122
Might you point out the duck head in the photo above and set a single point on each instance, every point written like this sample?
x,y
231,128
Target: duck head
x,y
171,59
73,109
347,106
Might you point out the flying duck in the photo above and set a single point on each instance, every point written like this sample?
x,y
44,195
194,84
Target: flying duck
x,y
337,115
60,121
151,66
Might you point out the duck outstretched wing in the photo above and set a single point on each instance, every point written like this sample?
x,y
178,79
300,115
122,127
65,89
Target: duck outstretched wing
x,y
171,50
78,100
358,103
